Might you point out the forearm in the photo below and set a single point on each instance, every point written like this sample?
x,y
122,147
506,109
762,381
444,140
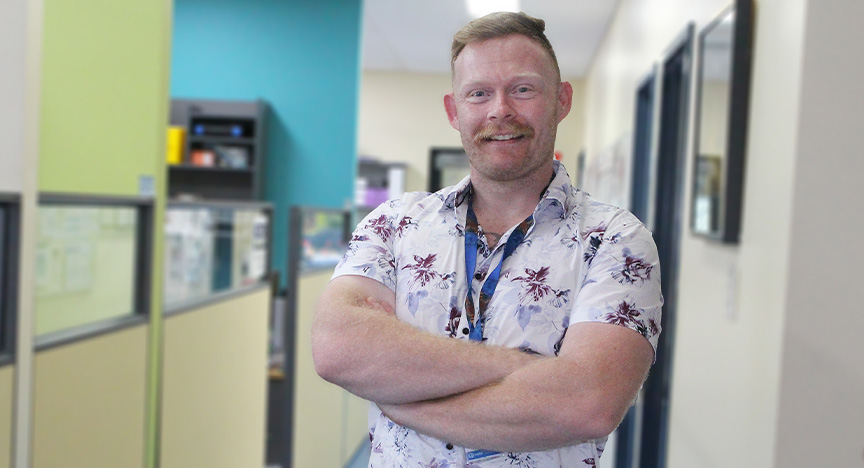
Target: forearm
x,y
377,357
527,411
580,395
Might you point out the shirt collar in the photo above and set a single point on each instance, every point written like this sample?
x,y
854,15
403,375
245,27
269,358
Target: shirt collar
x,y
456,194
557,198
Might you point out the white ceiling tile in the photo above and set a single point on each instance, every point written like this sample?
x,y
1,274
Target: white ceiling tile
x,y
415,35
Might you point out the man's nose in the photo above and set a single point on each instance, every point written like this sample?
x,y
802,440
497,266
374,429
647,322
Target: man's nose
x,y
502,108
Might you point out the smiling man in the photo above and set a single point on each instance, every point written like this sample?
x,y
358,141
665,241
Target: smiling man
x,y
509,320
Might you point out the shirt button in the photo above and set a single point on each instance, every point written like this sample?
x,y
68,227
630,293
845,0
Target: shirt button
x,y
478,276
449,446
465,331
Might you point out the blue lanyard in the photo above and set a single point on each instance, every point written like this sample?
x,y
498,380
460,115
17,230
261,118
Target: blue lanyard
x,y
472,246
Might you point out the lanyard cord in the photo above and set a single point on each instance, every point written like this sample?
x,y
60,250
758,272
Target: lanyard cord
x,y
472,246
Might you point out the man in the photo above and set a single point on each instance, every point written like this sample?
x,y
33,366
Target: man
x,y
502,321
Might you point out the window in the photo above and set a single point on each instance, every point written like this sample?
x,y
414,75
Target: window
x,y
212,248
92,264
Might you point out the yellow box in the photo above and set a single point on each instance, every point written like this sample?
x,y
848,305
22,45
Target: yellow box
x,y
175,142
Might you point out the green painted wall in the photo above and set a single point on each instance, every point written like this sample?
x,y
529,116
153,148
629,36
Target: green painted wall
x,y
105,75
103,92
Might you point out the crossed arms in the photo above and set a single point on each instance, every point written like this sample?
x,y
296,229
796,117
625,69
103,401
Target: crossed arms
x,y
471,394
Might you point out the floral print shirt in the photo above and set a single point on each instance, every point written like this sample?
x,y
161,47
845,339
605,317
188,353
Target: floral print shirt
x,y
581,261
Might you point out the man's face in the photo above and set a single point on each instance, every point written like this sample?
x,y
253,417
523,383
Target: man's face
x,y
507,102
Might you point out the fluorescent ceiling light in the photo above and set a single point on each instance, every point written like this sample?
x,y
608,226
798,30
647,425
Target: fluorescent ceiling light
x,y
478,8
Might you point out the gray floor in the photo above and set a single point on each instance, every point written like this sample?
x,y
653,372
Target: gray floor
x,y
360,459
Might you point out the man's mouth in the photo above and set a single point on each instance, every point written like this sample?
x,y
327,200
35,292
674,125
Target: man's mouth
x,y
505,137
509,133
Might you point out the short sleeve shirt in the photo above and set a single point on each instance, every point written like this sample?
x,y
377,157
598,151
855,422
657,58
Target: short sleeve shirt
x,y
580,261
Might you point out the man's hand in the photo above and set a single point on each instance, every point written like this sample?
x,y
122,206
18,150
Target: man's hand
x,y
360,345
580,395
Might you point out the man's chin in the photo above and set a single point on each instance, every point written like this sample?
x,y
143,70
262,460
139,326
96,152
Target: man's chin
x,y
501,172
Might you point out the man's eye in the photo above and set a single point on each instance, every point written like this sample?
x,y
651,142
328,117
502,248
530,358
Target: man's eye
x,y
523,89
477,94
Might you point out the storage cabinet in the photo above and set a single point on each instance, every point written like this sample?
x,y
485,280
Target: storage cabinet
x,y
224,150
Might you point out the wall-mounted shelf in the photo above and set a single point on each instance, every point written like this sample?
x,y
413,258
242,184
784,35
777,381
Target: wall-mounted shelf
x,y
223,155
193,168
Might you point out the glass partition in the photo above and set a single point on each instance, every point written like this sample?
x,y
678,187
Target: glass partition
x,y
213,248
92,263
321,237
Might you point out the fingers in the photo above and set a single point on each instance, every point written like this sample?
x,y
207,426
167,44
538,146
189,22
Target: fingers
x,y
388,308
376,304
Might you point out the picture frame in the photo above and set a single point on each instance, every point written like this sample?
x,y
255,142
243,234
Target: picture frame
x,y
722,108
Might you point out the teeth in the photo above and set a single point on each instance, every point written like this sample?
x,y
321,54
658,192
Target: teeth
x,y
503,137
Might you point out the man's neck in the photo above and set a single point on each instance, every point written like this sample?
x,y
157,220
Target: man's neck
x,y
502,205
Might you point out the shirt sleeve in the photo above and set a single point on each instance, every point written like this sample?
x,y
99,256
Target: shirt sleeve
x,y
370,251
622,284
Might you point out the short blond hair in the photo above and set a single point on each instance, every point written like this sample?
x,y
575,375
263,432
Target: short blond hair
x,y
501,24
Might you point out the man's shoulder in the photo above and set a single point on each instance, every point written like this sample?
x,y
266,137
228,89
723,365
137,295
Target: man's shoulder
x,y
420,203
592,215
410,209
425,198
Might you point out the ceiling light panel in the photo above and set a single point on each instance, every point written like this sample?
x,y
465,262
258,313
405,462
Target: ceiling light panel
x,y
478,8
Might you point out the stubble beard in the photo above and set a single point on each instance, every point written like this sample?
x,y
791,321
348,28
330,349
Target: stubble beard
x,y
482,163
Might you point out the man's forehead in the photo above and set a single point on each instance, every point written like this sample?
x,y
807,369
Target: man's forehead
x,y
497,45
520,54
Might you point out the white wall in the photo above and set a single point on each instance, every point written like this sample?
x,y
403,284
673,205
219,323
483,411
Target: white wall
x,y
767,359
402,117
13,51
20,88
821,413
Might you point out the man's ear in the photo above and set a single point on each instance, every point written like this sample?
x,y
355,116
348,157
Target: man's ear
x,y
565,99
450,107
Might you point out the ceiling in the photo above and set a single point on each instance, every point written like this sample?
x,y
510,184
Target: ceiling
x,y
415,35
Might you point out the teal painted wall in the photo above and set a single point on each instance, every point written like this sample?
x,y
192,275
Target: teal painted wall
x,y
303,58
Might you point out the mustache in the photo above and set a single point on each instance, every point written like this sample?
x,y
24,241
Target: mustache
x,y
515,129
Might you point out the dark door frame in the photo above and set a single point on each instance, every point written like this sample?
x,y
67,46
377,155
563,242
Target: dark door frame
x,y
677,72
644,145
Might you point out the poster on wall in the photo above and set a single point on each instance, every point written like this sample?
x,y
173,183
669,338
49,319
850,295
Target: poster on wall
x,y
607,174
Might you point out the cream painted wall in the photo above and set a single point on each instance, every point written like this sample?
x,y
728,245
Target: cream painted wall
x,y
571,130
22,19
821,413
13,51
402,117
214,384
89,402
7,375
726,359
329,423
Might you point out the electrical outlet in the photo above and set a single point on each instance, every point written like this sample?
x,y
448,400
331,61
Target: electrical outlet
x,y
732,293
